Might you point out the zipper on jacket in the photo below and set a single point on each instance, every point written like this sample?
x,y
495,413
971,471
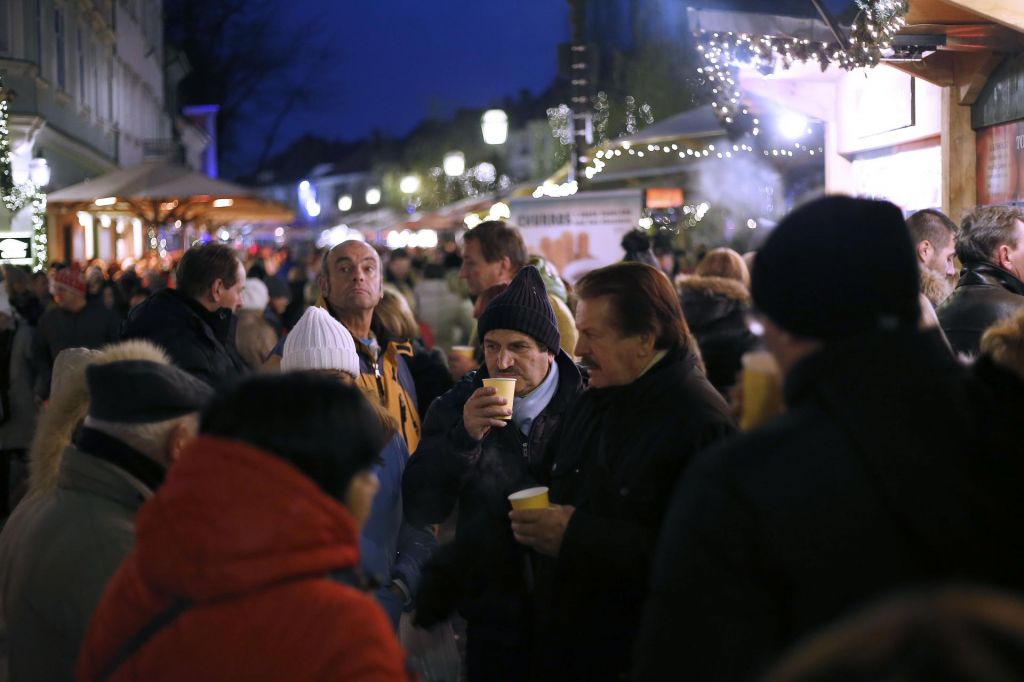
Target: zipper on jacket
x,y
380,384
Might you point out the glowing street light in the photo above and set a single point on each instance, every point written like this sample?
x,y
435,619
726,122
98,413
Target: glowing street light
x,y
410,184
39,172
373,196
344,203
494,126
454,164
792,125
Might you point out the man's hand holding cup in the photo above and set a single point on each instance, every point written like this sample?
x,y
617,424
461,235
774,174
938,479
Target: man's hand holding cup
x,y
485,409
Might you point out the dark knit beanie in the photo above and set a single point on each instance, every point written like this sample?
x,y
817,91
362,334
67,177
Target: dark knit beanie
x,y
523,307
837,267
143,392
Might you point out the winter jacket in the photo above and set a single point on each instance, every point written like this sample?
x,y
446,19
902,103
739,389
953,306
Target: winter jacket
x,y
450,467
16,433
715,309
57,553
200,342
254,338
392,550
616,460
882,475
985,294
430,374
244,545
91,327
385,377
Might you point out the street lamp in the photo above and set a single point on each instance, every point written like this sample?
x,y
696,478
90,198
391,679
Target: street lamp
x,y
494,126
454,164
39,172
344,203
373,196
410,184
792,125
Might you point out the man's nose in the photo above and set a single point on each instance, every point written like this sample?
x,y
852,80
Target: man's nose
x,y
506,360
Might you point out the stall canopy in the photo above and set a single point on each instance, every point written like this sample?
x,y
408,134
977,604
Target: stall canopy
x,y
160,192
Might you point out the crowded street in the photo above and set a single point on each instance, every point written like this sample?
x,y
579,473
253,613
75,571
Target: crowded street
x,y
575,340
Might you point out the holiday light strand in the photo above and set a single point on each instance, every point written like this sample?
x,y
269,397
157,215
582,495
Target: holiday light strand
x,y
871,35
15,197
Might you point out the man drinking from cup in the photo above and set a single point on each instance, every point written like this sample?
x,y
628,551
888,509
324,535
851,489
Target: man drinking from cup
x,y
478,448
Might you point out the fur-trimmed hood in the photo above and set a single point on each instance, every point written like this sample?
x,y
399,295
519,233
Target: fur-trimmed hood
x,y
936,286
723,286
69,403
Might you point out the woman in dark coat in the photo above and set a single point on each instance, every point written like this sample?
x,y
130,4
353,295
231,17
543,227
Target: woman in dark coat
x,y
715,301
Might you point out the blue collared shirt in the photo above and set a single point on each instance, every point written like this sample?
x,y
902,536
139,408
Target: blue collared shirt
x,y
526,408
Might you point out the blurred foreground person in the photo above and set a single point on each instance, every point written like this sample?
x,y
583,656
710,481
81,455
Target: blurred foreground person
x,y
613,465
954,635
990,245
392,551
476,451
61,546
195,323
245,562
715,300
879,476
17,408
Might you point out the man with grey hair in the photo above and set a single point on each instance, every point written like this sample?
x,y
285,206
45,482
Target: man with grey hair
x,y
61,546
991,247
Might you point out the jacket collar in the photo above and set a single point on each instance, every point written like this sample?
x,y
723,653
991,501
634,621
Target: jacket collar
x,y
218,321
988,273
110,449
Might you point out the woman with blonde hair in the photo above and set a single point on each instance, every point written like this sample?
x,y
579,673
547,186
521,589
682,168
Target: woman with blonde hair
x,y
715,302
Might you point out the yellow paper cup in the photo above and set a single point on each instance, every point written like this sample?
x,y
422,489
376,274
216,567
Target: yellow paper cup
x,y
464,351
531,498
506,388
762,390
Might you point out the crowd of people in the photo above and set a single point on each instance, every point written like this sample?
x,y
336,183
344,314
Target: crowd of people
x,y
259,468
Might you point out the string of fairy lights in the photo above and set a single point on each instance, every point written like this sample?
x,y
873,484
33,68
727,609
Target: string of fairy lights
x,y
18,196
871,37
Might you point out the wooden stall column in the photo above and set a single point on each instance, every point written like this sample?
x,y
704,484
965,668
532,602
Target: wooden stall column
x,y
959,156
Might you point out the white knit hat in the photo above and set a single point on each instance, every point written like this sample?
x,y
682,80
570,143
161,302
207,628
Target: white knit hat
x,y
255,296
318,341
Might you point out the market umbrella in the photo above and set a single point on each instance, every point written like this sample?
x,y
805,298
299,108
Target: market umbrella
x,y
160,192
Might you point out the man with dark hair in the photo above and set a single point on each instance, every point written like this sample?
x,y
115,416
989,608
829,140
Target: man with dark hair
x,y
196,322
61,546
245,562
990,245
649,409
476,451
934,237
858,489
492,254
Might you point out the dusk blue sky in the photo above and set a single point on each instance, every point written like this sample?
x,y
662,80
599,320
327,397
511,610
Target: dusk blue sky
x,y
399,61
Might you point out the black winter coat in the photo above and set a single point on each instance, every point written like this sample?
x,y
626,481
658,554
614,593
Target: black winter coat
x,y
715,309
198,341
484,573
985,294
616,460
881,475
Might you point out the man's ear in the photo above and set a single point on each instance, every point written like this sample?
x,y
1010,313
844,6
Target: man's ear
x,y
178,438
324,283
924,249
1003,256
506,266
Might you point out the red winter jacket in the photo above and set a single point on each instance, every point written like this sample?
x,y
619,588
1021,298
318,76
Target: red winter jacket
x,y
248,542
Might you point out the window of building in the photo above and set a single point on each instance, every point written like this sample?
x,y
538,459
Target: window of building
x,y
60,38
83,90
5,26
39,34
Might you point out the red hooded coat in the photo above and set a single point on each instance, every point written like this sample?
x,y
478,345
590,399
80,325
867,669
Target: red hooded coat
x,y
247,541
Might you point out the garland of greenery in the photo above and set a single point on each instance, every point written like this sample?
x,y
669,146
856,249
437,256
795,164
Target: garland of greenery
x,y
16,197
873,30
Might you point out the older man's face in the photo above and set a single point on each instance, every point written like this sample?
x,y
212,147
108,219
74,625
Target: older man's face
x,y
352,280
513,355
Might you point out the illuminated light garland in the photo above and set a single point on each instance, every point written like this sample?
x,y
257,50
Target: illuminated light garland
x,y
871,34
16,197
724,151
